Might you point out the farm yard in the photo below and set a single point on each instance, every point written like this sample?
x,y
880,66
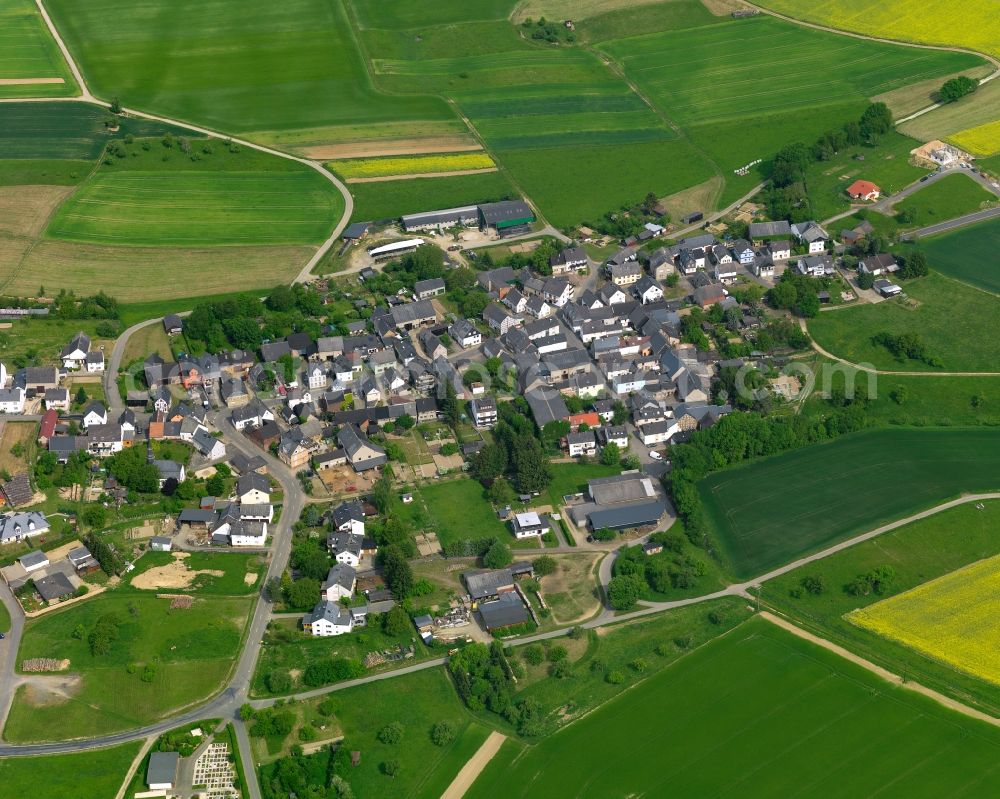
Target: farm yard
x,y
920,552
842,488
186,653
948,316
30,63
949,619
94,774
757,712
947,198
968,254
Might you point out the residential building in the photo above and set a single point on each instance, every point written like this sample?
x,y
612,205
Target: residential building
x,y
253,488
484,412
339,583
864,190
579,444
878,265
74,354
21,526
425,289
361,453
12,400
812,235
327,619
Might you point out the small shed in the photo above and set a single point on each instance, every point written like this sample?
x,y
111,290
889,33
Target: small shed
x,y
34,561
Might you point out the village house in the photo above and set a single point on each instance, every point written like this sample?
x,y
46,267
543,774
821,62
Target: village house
x,y
580,444
864,190
465,334
361,453
484,412
530,525
425,289
878,265
339,583
812,235
74,354
568,260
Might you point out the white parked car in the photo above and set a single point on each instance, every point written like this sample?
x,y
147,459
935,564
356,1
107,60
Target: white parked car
x,y
656,456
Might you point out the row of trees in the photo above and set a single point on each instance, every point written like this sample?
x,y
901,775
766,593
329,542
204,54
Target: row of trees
x,y
906,345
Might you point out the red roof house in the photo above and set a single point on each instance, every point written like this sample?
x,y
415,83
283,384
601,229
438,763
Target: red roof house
x,y
47,426
591,419
863,190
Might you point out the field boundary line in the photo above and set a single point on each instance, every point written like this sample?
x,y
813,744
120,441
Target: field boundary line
x,y
474,766
879,671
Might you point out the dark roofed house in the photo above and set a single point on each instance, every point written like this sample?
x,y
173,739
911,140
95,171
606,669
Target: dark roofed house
x,y
273,350
547,405
54,587
506,611
413,314
356,231
173,324
763,230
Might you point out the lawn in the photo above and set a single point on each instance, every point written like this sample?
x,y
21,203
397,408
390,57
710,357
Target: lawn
x,y
37,342
93,774
192,651
933,21
457,509
949,619
238,67
769,512
968,254
289,649
918,552
951,196
20,435
757,713
572,478
158,195
27,52
147,340
391,199
950,318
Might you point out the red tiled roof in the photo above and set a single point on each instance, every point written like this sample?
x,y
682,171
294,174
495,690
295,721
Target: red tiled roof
x,y
48,424
860,188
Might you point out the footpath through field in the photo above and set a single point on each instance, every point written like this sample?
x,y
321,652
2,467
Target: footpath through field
x,y
474,766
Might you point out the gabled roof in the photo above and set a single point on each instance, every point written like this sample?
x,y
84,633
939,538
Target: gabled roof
x,y
81,342
251,481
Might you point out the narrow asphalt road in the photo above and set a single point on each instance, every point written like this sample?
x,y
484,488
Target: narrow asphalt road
x,y
952,224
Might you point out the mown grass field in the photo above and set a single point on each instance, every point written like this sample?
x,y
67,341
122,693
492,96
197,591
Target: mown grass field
x,y
757,713
934,22
944,199
193,652
254,66
93,774
968,254
774,510
949,619
951,318
918,552
27,51
981,140
393,198
410,165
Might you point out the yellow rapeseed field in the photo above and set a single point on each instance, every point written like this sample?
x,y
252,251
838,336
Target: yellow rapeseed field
x,y
974,24
980,140
410,165
953,619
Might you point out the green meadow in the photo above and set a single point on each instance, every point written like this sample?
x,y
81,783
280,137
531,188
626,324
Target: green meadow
x,y
93,774
191,652
756,713
949,317
947,198
968,254
388,199
771,511
28,52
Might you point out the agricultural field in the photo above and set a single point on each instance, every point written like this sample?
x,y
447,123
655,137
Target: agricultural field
x,y
222,214
976,109
950,318
30,62
935,22
387,168
917,96
968,254
767,691
947,198
714,101
93,774
842,488
190,651
257,66
981,140
948,619
919,552
157,195
393,198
